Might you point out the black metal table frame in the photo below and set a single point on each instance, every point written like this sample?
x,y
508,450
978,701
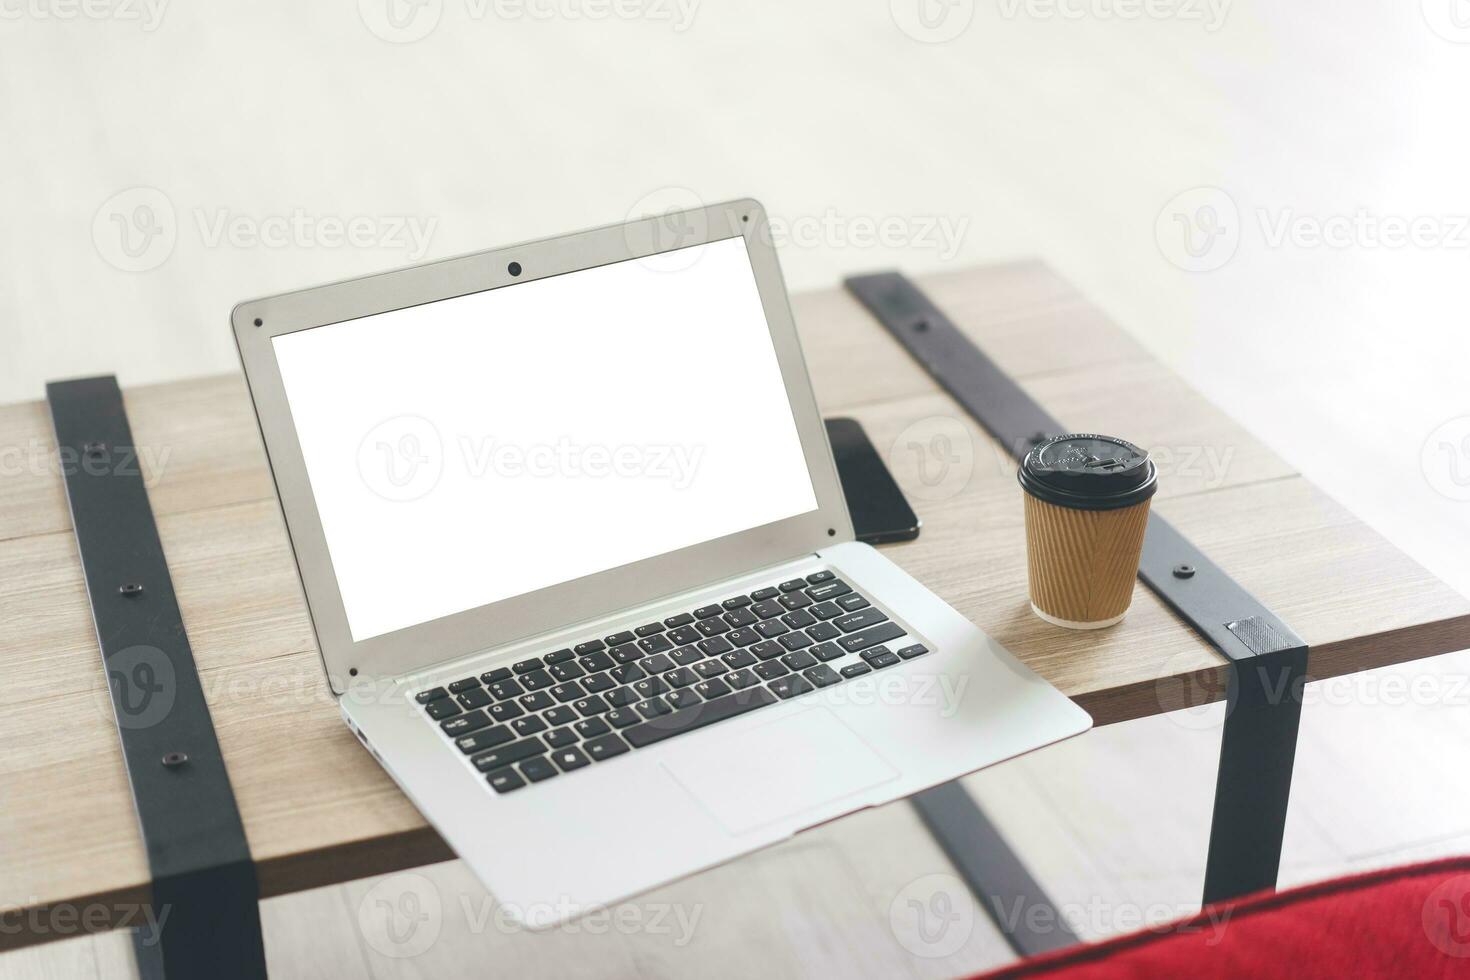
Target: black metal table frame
x,y
1267,661
203,877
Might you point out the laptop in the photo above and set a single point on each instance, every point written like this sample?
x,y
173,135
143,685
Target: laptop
x,y
581,570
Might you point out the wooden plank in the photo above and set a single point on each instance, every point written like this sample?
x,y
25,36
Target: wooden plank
x,y
318,810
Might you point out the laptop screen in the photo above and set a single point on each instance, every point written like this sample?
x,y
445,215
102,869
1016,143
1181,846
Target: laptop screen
x,y
473,449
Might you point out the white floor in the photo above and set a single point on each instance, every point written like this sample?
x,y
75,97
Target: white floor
x,y
1232,181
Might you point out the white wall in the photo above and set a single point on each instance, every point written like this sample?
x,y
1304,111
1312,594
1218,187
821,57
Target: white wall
x,y
1063,132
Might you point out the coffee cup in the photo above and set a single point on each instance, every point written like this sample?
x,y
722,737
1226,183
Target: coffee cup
x,y
1087,501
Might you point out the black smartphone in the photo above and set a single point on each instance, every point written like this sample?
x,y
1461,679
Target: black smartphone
x,y
879,512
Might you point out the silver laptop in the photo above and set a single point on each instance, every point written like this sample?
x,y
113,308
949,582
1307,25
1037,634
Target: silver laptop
x,y
581,570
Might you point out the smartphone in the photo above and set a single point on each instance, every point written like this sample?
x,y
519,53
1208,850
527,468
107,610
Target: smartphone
x,y
880,514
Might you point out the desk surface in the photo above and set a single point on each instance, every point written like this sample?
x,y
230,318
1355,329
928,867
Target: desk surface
x,y
318,809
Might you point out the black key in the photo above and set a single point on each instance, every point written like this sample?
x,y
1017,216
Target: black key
x,y
705,612
740,617
504,690
716,645
772,627
587,707
874,653
621,718
526,666
568,759
821,675
530,725
621,697
652,708
800,660
709,690
657,664
680,677
649,686
684,656
712,668
795,641
706,713
770,670
674,622
884,659
767,649
738,658
568,671
536,680
627,673
743,637
683,698
627,653
826,651
560,656
505,780
825,610
591,727
460,686
872,636
855,670
560,715
798,619
790,686
537,769
594,662
569,691
506,754
465,723
854,601
741,679
685,635
485,738
761,595
432,694
591,646
852,622
618,639
793,585
769,609
823,632
655,643
829,590
910,652
560,737
505,711
475,697
498,674
736,602
598,683
817,578
606,747
794,600
712,627
648,629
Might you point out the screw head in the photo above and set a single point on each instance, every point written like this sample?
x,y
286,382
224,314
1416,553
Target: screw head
x,y
173,760
130,589
1184,571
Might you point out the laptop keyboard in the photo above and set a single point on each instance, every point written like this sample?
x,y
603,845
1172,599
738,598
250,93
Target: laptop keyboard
x,y
562,711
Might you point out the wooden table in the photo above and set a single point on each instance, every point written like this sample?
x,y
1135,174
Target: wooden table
x,y
317,809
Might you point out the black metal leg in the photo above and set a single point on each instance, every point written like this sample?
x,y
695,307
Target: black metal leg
x,y
205,920
997,878
1257,750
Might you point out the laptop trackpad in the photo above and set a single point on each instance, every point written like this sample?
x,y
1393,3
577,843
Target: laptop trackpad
x,y
759,775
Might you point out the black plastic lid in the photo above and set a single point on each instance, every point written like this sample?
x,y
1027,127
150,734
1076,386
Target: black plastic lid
x,y
1089,472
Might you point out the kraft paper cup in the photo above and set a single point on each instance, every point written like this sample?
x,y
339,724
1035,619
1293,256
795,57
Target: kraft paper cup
x,y
1087,500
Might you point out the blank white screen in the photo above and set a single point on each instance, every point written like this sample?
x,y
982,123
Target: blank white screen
x,y
478,448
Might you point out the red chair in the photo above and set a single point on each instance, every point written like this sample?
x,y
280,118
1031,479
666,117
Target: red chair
x,y
1402,922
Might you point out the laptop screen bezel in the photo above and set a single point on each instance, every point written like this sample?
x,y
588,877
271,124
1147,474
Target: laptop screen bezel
x,y
414,648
